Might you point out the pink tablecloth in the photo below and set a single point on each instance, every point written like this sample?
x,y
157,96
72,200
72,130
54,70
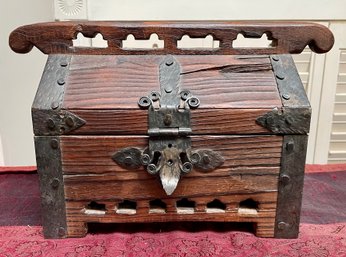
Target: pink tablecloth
x,y
323,226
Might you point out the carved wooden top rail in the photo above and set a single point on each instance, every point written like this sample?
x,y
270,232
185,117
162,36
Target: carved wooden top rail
x,y
56,37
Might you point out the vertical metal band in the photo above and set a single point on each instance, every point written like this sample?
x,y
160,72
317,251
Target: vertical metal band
x,y
48,117
289,84
290,186
48,157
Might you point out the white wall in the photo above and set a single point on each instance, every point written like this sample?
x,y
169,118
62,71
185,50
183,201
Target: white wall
x,y
19,77
20,74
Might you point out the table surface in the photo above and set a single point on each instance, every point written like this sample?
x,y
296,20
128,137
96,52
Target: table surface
x,y
322,229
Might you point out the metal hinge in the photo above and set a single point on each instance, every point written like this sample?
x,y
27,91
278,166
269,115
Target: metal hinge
x,y
169,153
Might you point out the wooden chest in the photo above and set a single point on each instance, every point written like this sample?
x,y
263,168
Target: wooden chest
x,y
171,134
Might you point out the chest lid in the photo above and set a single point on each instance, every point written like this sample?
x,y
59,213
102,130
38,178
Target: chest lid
x,y
239,90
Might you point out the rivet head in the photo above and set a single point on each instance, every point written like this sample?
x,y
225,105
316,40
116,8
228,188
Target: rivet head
x,y
206,159
54,105
280,76
275,58
50,124
286,96
289,147
128,160
63,64
69,121
61,232
285,179
168,89
169,63
282,225
61,81
55,183
167,119
54,143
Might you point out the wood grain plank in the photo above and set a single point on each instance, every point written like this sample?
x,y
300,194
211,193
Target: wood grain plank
x,y
101,187
56,37
264,218
117,82
203,121
242,154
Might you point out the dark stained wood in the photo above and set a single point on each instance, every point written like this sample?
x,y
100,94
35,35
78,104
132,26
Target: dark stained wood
x,y
85,157
101,187
264,216
56,37
242,154
117,82
203,121
249,172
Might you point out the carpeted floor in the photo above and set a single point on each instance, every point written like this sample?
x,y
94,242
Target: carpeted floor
x,y
323,226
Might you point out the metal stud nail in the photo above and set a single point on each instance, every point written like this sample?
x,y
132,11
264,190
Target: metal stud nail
x,y
286,96
282,225
128,160
54,105
167,119
55,183
289,147
280,76
50,124
206,159
61,232
285,179
61,81
54,143
69,121
169,63
63,64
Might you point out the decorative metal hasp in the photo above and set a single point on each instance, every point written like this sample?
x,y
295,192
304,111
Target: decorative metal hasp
x,y
169,152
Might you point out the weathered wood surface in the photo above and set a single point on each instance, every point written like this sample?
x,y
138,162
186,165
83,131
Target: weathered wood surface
x,y
117,82
263,215
234,91
83,155
203,121
56,37
90,173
